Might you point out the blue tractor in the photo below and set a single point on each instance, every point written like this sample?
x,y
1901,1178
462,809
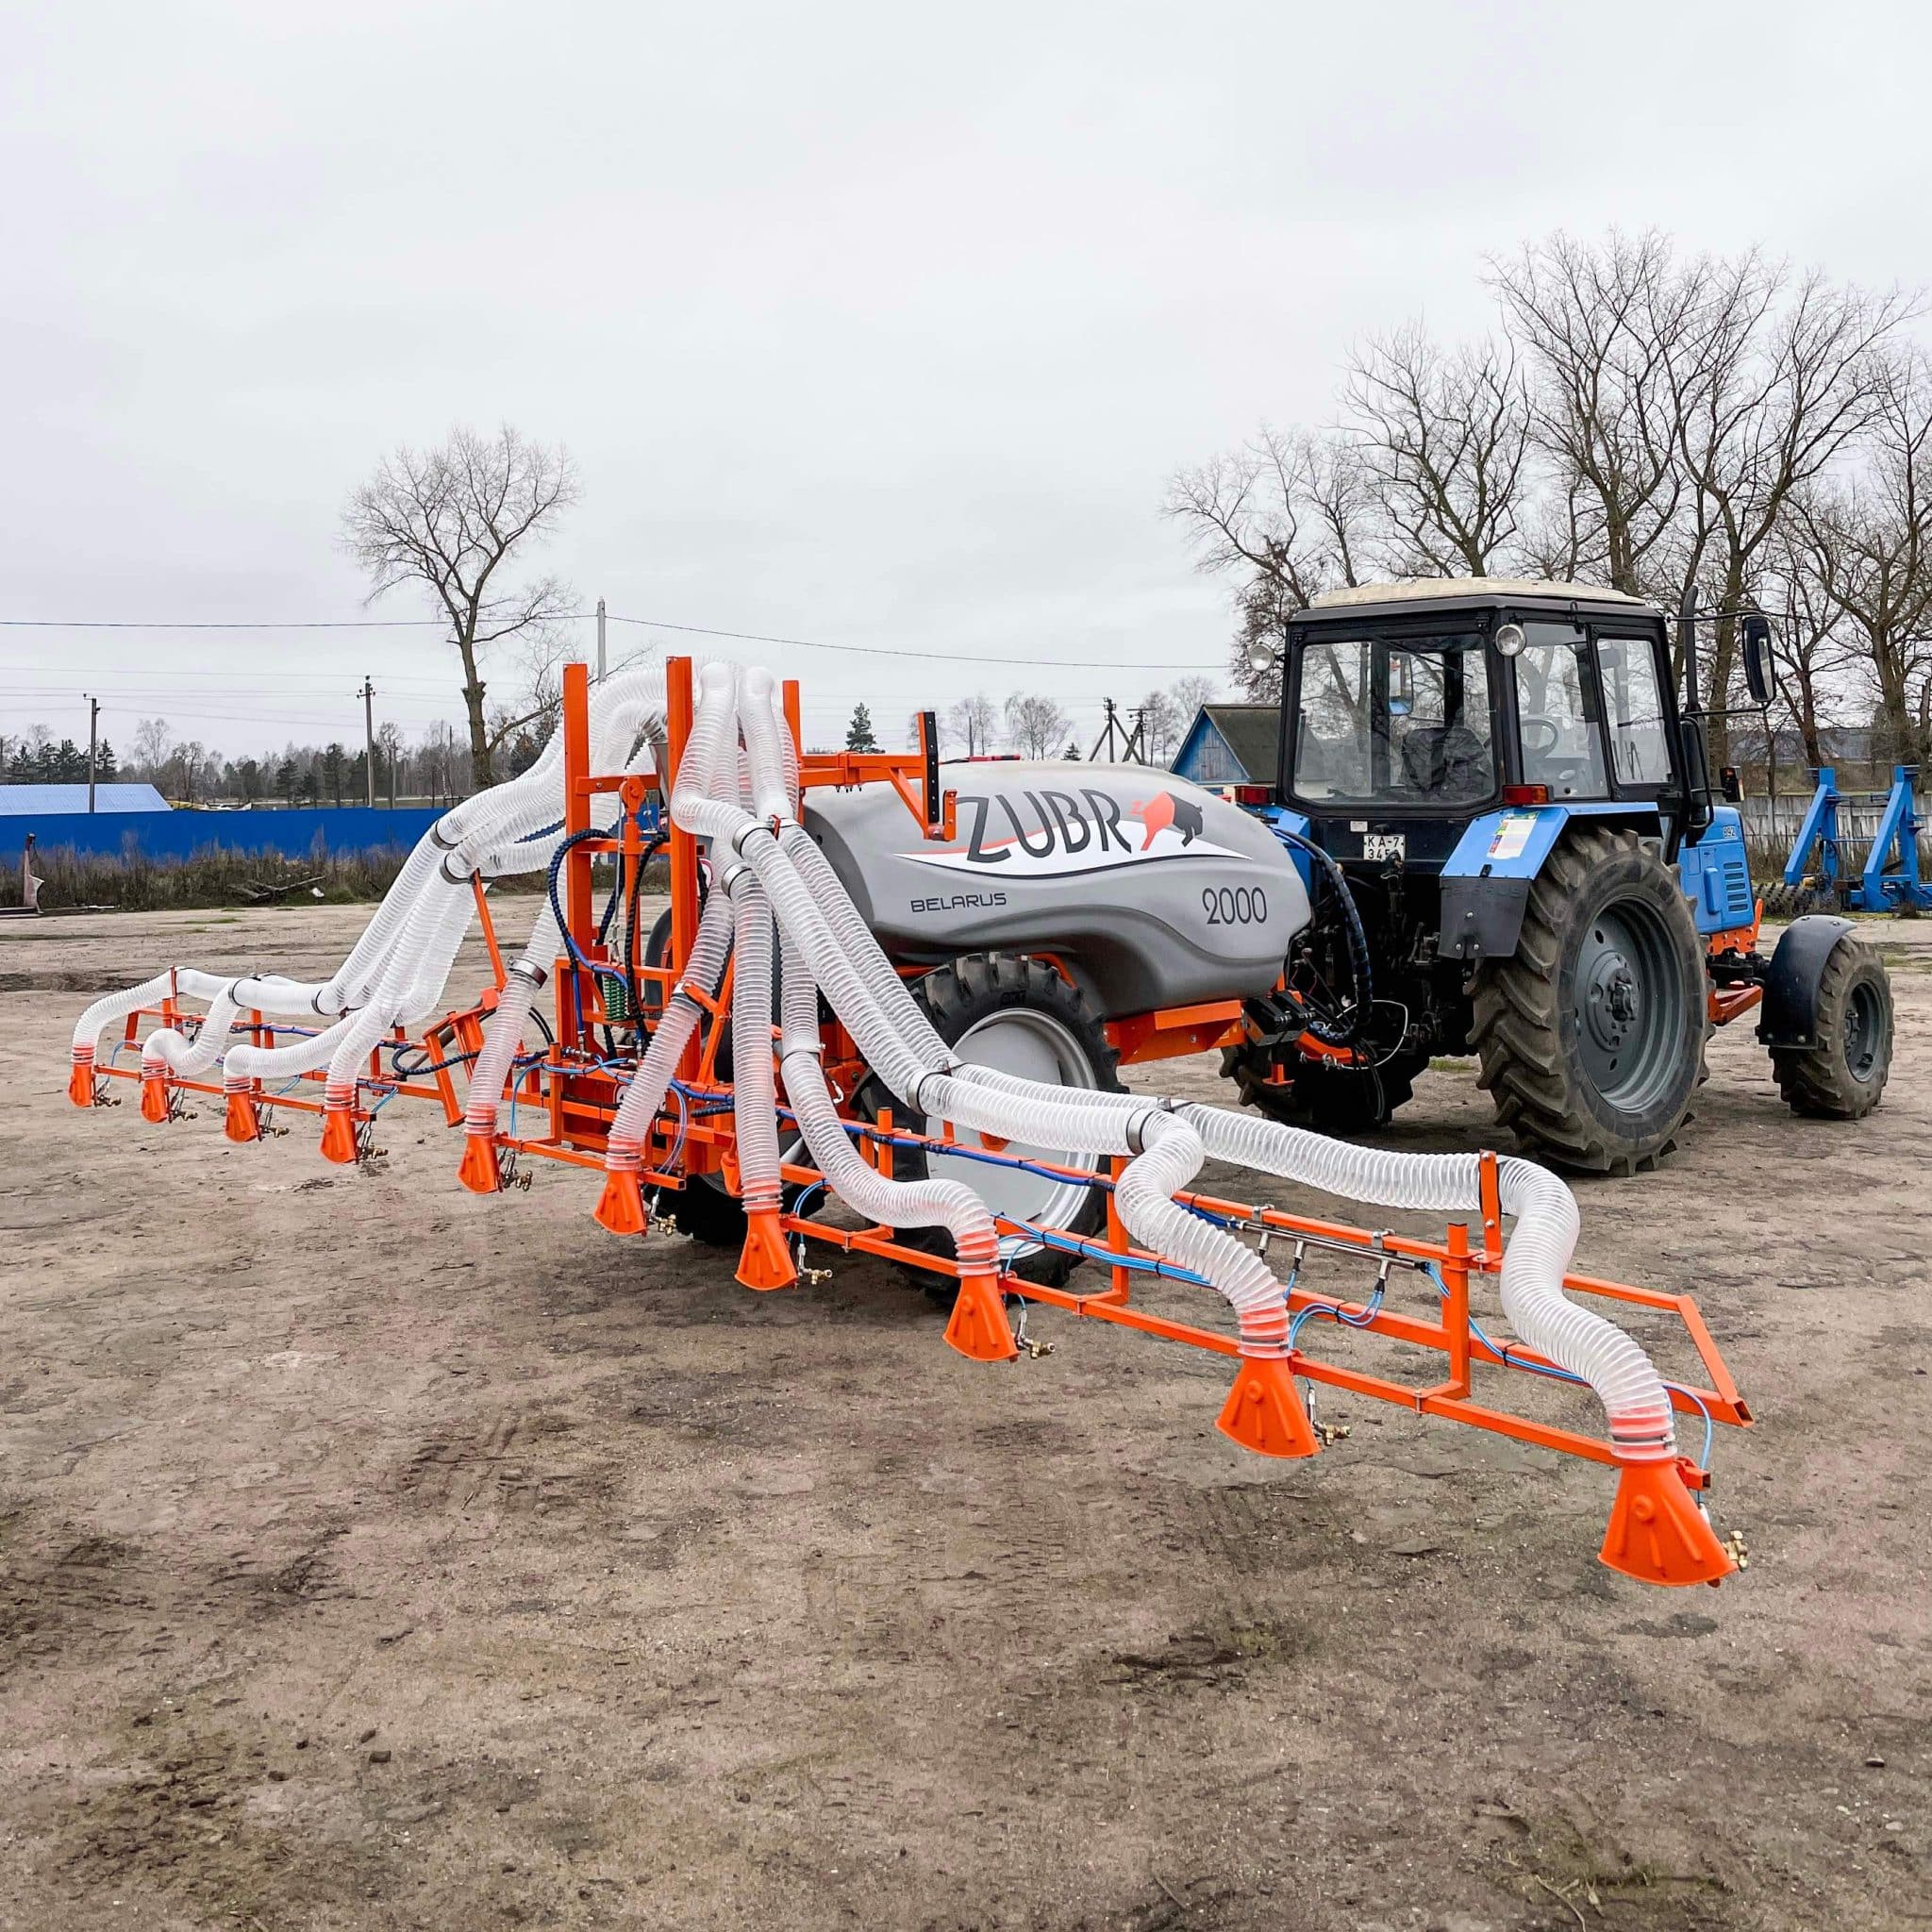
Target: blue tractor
x,y
1507,823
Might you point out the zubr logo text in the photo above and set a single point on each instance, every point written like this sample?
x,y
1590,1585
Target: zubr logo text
x,y
1045,833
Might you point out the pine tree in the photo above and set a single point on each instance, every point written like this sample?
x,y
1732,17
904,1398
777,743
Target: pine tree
x,y
859,735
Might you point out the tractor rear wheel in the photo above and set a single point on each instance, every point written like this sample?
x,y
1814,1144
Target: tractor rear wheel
x,y
1591,1035
997,1010
1841,1076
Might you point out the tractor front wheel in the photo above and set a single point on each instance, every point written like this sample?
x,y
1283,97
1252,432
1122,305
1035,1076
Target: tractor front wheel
x,y
1842,1074
1591,1035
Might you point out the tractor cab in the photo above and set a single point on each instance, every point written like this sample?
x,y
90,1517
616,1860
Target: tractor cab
x,y
1507,822
1411,708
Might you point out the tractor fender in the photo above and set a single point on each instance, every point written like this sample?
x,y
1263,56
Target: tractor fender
x,y
1486,880
1789,1014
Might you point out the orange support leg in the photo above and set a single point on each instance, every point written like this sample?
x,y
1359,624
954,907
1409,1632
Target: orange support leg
x,y
338,1136
1657,1534
1264,1410
154,1096
766,1262
621,1207
980,1328
477,1170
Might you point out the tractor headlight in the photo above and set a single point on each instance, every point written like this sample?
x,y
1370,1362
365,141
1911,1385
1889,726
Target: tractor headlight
x,y
1262,657
1510,638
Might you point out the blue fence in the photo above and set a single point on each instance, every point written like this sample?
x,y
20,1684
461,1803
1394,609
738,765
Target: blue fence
x,y
161,836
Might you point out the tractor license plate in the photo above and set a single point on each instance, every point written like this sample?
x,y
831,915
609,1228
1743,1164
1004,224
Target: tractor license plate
x,y
1385,845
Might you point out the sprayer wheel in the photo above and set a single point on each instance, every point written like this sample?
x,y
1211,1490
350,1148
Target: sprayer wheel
x,y
1842,1076
1017,1014
1592,1033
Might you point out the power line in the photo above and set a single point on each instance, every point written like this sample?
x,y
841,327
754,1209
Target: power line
x,y
695,630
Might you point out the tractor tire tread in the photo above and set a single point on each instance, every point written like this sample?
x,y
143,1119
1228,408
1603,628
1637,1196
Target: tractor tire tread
x,y
1815,1080
1518,1033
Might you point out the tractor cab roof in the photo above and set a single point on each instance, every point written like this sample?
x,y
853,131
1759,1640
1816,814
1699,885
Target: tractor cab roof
x,y
1456,596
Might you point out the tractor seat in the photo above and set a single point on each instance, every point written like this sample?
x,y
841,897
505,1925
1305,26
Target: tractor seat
x,y
1446,761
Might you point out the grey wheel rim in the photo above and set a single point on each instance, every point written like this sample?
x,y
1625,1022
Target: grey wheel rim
x,y
1036,1047
1864,1025
1629,997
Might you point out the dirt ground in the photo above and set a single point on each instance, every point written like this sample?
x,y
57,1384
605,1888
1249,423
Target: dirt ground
x,y
376,1556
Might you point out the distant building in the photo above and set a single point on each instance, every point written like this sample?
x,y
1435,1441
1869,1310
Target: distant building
x,y
1231,744
53,801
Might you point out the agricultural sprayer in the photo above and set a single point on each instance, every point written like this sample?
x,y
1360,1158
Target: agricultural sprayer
x,y
887,1017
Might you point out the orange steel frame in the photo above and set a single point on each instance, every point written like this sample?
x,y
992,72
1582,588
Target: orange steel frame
x,y
573,1093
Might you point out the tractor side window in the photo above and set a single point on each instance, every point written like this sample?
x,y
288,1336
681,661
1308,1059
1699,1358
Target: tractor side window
x,y
1555,713
1640,750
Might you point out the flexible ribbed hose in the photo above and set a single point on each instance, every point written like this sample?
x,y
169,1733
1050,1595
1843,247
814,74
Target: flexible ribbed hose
x,y
644,1095
753,1094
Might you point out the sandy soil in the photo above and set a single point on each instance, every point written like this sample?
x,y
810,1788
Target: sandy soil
x,y
375,1556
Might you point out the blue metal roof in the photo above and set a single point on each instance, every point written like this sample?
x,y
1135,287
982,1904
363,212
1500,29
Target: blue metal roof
x,y
52,801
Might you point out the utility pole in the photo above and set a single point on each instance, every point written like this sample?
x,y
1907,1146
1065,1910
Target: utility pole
x,y
1105,738
368,696
93,739
600,640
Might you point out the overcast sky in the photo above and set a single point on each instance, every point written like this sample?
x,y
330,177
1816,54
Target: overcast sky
x,y
876,325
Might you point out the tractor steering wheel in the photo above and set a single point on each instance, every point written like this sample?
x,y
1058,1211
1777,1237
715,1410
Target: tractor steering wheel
x,y
1548,742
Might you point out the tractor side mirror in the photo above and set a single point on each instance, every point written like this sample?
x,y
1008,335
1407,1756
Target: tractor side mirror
x,y
1730,787
1757,677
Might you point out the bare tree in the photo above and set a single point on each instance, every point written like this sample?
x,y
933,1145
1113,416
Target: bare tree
x,y
973,721
1863,551
447,520
1158,724
1772,391
153,741
1035,725
1191,693
1443,440
1598,327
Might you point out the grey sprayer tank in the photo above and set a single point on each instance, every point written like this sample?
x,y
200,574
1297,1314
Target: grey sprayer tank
x,y
1150,891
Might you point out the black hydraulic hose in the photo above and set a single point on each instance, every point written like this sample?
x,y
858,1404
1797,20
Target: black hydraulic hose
x,y
1348,1030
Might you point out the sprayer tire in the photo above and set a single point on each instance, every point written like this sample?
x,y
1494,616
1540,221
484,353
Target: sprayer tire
x,y
1842,1076
967,994
1607,924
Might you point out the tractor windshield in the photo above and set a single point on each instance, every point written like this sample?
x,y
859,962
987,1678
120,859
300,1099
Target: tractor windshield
x,y
1401,723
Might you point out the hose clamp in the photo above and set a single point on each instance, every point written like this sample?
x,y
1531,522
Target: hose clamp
x,y
457,879
529,970
917,1096
815,1052
744,832
1137,1128
436,838
728,884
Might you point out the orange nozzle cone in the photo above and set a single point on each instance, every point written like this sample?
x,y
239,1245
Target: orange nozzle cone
x,y
338,1136
154,1098
765,1264
621,1205
1264,1410
242,1123
980,1328
1657,1534
80,1083
477,1170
